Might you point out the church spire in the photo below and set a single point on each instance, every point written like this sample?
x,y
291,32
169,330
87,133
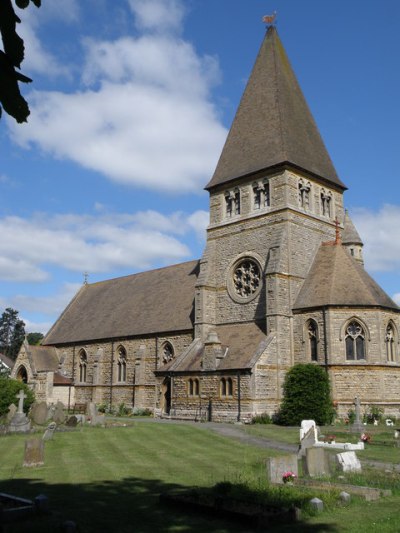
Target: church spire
x,y
273,125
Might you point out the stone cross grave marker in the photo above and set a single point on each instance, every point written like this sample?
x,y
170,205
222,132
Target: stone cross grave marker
x,y
277,466
34,452
357,427
21,396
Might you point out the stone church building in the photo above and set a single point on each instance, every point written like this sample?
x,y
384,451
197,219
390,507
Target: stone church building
x,y
281,281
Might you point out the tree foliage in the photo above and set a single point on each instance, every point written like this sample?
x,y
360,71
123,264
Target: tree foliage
x,y
12,333
9,388
306,396
34,339
11,58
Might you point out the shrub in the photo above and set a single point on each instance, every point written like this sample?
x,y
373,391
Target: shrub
x,y
373,413
351,416
263,418
123,410
140,411
9,388
306,396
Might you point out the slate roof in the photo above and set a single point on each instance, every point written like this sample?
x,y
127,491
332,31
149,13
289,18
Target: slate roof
x,y
9,363
43,358
350,235
336,279
273,124
241,343
149,302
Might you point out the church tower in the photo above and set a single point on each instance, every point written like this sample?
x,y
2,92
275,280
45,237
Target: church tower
x,y
274,197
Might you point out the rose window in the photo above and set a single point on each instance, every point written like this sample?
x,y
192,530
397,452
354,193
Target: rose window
x,y
246,278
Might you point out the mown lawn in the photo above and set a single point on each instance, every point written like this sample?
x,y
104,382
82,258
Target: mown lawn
x,y
109,479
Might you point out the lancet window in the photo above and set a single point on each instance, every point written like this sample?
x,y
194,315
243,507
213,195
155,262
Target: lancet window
x,y
82,366
167,352
261,197
121,364
232,203
304,194
355,341
226,387
194,387
326,203
390,343
312,332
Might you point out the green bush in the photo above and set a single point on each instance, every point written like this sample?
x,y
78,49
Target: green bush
x,y
9,388
140,411
306,396
374,412
263,418
123,410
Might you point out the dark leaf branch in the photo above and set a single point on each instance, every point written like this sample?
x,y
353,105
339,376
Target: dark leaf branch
x,y
11,58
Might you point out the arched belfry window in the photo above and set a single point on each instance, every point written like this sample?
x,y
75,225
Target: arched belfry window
x,y
390,343
82,366
232,203
168,352
326,203
304,194
312,334
355,341
121,352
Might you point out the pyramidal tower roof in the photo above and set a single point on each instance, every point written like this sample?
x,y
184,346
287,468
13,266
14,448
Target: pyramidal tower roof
x,y
273,125
350,234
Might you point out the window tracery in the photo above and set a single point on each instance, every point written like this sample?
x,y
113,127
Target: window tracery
x,y
246,278
261,197
355,341
326,203
232,203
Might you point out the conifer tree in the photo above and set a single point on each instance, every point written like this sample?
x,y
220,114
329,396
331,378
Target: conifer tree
x,y
12,333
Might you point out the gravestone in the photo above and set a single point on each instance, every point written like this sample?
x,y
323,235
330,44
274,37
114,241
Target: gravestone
x,y
12,409
308,441
315,462
48,434
305,427
95,418
34,452
20,422
59,415
317,504
72,421
348,462
277,466
39,413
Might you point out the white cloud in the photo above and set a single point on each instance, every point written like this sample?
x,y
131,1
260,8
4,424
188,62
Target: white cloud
x,y
378,231
101,243
47,305
160,15
145,116
396,298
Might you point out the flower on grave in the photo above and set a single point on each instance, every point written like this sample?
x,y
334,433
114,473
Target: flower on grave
x,y
330,438
365,437
288,476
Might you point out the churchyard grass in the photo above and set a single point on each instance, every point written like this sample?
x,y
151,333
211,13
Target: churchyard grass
x,y
109,479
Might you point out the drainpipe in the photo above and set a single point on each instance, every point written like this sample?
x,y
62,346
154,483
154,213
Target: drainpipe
x,y
239,396
73,378
111,373
325,339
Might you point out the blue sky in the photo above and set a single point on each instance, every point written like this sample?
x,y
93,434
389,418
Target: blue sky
x,y
130,105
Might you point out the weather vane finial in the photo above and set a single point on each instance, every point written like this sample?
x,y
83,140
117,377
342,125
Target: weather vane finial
x,y
269,19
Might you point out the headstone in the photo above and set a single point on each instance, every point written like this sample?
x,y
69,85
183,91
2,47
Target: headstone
x,y
34,452
344,496
59,415
315,462
317,504
349,462
20,422
48,434
307,441
305,427
39,413
72,421
357,427
95,418
277,466
12,409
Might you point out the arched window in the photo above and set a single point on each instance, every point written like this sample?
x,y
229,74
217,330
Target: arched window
x,y
312,332
82,366
390,343
167,352
226,387
232,203
121,364
355,341
326,200
194,387
304,194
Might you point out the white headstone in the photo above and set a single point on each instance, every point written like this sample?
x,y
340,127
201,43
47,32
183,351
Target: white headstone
x,y
306,425
349,462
